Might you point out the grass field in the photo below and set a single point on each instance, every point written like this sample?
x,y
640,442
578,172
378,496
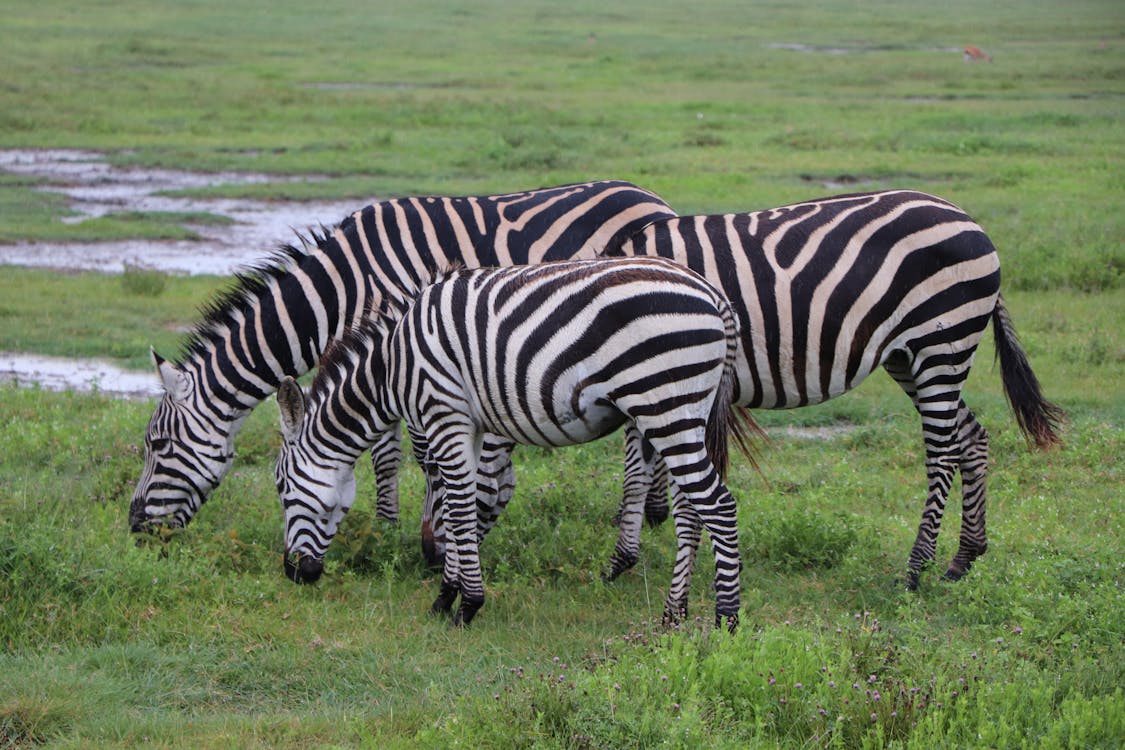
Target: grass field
x,y
716,106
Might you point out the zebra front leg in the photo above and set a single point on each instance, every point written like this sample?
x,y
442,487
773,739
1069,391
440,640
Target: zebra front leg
x,y
456,452
974,474
689,531
450,588
386,457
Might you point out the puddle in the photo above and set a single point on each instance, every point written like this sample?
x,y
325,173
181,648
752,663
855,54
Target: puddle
x,y
96,188
825,49
87,375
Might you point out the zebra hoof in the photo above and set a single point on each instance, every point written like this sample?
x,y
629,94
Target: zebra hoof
x,y
674,614
443,605
467,612
731,622
618,564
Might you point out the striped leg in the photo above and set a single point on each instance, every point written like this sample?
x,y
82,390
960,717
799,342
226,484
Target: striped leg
x,y
386,456
974,473
935,387
496,482
640,465
645,467
689,532
456,450
699,481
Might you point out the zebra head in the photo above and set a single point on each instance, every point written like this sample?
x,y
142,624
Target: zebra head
x,y
188,450
316,488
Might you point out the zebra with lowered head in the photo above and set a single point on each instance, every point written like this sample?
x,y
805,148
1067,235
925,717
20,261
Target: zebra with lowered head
x,y
278,319
551,355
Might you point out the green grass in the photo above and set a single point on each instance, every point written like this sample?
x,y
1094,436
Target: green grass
x,y
203,643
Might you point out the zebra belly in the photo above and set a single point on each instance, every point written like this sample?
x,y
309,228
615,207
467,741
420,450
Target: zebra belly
x,y
576,415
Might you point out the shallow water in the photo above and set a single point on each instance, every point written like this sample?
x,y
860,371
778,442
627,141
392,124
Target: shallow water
x,y
96,188
87,375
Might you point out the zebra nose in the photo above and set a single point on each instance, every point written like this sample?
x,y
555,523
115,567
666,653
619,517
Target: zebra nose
x,y
303,568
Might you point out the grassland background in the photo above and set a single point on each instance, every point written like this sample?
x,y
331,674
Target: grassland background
x,y
204,644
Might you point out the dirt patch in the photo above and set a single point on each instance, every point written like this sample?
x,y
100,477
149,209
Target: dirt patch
x,y
96,188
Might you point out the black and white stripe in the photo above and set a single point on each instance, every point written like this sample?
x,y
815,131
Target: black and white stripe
x,y
828,291
277,319
551,355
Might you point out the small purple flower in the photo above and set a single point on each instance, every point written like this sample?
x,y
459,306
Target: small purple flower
x,y
831,683
798,686
894,714
772,681
663,678
874,717
871,679
1017,630
616,686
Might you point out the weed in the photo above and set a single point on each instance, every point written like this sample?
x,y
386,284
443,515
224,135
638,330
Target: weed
x,y
142,281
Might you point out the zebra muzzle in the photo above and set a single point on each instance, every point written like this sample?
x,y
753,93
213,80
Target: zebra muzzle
x,y
303,568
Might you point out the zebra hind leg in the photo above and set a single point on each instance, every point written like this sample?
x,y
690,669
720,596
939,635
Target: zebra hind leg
x,y
689,532
940,415
656,501
974,473
639,467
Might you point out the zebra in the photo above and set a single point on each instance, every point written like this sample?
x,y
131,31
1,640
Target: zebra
x,y
277,318
827,291
550,355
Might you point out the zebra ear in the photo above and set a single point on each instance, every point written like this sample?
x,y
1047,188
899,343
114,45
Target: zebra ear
x,y
291,404
175,380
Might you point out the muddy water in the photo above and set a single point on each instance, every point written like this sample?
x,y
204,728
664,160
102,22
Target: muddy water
x,y
61,374
96,188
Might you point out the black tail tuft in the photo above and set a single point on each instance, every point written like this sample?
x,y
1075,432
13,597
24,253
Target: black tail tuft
x,y
1039,419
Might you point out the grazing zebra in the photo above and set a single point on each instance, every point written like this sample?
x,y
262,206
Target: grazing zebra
x,y
554,354
829,290
277,319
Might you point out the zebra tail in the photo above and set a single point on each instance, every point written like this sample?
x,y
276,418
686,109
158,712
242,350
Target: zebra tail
x,y
1038,418
725,420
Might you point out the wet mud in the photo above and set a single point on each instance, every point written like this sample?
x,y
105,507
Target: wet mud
x,y
96,188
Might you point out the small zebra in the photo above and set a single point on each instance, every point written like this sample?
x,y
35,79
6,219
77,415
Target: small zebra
x,y
828,291
550,355
278,318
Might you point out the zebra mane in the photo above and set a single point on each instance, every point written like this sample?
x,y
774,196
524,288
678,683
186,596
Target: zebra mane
x,y
221,311
356,342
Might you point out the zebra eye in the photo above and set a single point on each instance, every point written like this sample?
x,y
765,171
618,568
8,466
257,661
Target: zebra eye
x,y
160,445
